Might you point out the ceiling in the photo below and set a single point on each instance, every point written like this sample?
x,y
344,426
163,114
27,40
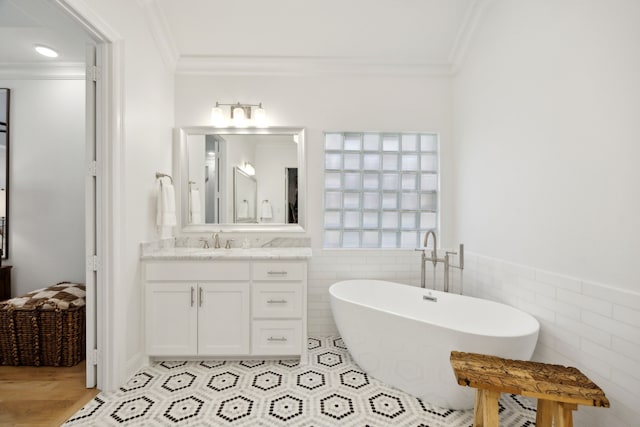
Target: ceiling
x,y
201,35
25,23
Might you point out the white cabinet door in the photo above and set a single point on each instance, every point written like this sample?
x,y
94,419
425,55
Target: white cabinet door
x,y
171,319
224,318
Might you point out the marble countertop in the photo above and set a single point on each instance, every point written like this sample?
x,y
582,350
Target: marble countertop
x,y
200,254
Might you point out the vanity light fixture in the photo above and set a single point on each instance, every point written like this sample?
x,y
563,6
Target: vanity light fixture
x,y
46,51
249,169
240,115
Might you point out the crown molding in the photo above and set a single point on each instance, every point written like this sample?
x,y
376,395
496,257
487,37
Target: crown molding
x,y
469,26
295,66
160,32
40,71
291,66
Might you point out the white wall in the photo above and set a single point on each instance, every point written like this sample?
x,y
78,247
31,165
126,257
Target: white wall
x,y
355,102
47,149
147,127
546,111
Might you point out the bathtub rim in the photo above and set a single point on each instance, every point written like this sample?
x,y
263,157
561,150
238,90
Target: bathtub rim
x,y
534,329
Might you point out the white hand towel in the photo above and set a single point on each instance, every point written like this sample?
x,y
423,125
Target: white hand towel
x,y
166,215
194,206
267,212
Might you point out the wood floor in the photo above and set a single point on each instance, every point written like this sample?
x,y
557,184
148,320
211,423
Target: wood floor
x,y
41,396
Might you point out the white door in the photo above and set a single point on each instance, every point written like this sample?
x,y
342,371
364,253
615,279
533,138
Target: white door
x,y
224,318
91,273
171,319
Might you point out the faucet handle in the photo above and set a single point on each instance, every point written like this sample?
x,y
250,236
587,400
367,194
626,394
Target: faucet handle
x,y
227,245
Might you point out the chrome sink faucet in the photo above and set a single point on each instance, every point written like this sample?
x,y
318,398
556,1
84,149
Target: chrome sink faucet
x,y
216,241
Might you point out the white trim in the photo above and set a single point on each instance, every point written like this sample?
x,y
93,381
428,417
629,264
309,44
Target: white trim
x,y
470,24
110,142
162,36
40,71
90,20
112,194
292,66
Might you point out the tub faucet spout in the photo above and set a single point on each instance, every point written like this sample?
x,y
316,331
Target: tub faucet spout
x,y
434,252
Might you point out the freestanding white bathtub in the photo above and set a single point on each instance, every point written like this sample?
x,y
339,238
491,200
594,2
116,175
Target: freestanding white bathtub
x,y
400,335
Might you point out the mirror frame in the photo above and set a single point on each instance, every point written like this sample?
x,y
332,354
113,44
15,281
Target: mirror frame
x,y
181,166
5,243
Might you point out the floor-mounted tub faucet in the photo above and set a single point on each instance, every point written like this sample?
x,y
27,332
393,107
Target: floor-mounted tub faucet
x,y
434,256
435,260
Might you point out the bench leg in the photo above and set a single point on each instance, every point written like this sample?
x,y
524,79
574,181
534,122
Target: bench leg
x,y
563,414
486,408
478,410
544,413
557,413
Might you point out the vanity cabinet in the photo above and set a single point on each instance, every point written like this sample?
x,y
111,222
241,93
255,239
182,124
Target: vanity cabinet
x,y
225,308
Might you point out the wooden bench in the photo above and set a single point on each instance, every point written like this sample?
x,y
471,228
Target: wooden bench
x,y
559,389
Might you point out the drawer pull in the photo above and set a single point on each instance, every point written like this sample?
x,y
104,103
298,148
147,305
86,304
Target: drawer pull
x,y
277,273
282,339
277,301
192,296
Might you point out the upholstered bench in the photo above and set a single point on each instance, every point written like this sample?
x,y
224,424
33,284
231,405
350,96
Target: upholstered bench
x,y
45,327
559,389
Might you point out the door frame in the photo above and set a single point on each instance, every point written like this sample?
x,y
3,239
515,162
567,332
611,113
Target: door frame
x,y
109,152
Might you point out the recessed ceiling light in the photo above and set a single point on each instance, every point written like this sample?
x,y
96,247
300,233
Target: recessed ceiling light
x,y
46,51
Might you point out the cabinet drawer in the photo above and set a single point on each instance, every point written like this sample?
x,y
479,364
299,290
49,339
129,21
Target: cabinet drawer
x,y
277,299
276,337
278,271
196,270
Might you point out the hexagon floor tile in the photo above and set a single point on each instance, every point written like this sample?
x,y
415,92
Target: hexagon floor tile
x,y
330,391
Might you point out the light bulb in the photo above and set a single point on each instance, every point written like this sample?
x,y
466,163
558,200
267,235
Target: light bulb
x,y
216,116
260,116
239,117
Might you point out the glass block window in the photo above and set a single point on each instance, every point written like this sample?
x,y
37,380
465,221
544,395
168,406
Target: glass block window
x,y
380,189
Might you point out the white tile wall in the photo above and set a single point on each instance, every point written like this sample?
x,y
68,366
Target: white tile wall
x,y
327,267
594,327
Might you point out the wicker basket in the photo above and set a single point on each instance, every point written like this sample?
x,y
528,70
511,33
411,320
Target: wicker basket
x,y
39,329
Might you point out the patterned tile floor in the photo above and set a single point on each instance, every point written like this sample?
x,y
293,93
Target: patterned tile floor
x,y
330,391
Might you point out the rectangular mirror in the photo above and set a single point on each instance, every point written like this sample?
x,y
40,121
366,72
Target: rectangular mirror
x,y
241,179
4,171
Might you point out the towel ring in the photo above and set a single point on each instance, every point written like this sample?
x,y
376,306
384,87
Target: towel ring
x,y
163,175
